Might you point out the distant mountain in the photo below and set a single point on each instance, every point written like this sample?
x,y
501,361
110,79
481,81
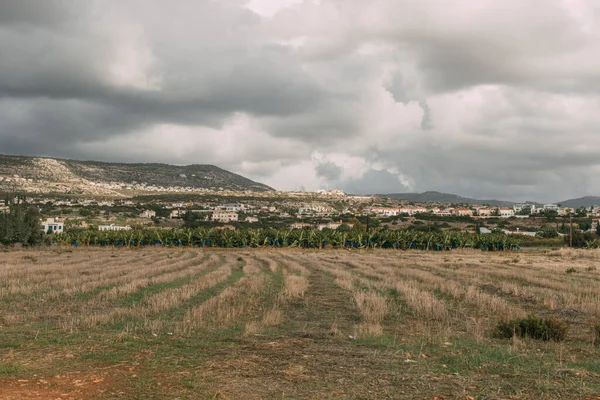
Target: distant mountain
x,y
437,197
93,177
587,201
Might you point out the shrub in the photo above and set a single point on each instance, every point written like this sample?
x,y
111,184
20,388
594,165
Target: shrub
x,y
570,270
533,327
596,333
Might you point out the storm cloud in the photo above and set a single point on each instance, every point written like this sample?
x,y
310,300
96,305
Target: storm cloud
x,y
476,97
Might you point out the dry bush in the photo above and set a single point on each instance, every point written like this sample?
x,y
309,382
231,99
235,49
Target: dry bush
x,y
372,306
252,328
370,329
295,286
423,303
273,317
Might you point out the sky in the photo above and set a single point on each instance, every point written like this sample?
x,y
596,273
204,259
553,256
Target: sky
x,y
482,98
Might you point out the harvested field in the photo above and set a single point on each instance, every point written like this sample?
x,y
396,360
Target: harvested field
x,y
189,323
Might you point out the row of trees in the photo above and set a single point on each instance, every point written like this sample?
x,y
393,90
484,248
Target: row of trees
x,y
252,238
20,225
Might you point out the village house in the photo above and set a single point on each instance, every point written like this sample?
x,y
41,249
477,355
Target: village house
x,y
300,225
148,214
232,207
520,207
384,211
413,210
332,225
506,212
463,212
52,225
565,211
225,216
177,214
251,220
226,227
443,213
485,211
113,227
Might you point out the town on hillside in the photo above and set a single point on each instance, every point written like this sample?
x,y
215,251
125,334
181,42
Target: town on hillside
x,y
321,210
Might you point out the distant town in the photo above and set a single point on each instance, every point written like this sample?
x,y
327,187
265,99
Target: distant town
x,y
320,210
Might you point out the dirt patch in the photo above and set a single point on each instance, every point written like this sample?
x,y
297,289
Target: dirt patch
x,y
64,387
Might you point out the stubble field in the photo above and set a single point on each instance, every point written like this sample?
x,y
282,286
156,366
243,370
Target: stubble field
x,y
192,323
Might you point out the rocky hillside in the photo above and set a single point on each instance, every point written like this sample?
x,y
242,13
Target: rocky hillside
x,y
70,176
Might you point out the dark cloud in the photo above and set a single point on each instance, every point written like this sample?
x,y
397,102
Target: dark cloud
x,y
485,98
329,171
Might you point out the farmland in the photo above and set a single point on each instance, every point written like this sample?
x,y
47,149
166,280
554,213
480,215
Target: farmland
x,y
158,322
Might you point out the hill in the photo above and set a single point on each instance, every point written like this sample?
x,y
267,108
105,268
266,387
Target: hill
x,y
39,174
438,197
586,201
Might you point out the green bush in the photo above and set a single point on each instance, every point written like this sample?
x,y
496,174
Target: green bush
x,y
533,327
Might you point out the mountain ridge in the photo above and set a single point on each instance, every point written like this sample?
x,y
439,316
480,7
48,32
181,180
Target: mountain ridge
x,y
31,171
433,196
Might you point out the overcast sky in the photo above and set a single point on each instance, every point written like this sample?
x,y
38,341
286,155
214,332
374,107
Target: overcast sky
x,y
483,98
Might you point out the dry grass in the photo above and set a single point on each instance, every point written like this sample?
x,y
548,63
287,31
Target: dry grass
x,y
413,307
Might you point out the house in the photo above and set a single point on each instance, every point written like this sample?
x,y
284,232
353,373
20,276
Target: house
x,y
332,225
52,225
520,207
385,211
566,211
113,227
413,210
177,214
485,211
506,212
4,209
443,213
232,207
551,207
226,227
463,212
148,214
225,216
301,225
251,219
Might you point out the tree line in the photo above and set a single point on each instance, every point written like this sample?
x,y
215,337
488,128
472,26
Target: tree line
x,y
21,224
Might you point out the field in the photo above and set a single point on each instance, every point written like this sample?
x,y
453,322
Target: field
x,y
186,323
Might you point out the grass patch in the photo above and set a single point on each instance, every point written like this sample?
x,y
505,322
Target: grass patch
x,y
9,369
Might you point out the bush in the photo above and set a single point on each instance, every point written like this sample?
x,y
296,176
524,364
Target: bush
x,y
533,327
596,332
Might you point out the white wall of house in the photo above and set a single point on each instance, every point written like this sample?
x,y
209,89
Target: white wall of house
x,y
52,224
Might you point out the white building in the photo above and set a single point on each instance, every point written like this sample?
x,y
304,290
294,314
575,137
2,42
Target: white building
x,y
148,214
551,207
506,212
177,214
384,211
232,207
53,225
225,216
463,212
520,207
113,227
485,211
251,219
